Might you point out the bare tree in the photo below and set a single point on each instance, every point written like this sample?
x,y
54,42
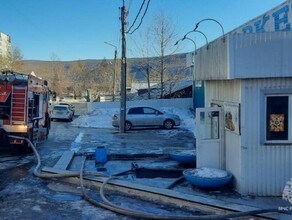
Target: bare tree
x,y
145,66
105,75
145,69
56,72
76,73
164,35
12,60
158,42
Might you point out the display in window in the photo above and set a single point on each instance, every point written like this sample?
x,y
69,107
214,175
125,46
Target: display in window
x,y
277,118
277,122
228,121
232,116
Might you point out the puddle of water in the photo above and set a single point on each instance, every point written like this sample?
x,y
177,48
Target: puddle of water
x,y
64,197
75,146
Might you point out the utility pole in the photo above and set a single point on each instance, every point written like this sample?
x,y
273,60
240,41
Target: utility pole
x,y
123,70
115,72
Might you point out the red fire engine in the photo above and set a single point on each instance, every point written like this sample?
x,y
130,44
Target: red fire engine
x,y
24,103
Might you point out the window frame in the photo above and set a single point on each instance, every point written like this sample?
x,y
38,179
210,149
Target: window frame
x,y
289,139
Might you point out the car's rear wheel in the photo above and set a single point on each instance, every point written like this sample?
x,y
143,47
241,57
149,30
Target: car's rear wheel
x,y
128,125
168,124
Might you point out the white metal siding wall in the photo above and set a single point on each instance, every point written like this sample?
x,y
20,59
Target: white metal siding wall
x,y
211,61
260,55
265,168
223,90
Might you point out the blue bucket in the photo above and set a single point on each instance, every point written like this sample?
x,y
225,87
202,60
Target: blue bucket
x,y
100,155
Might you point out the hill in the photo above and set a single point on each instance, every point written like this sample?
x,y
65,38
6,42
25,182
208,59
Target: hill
x,y
42,68
76,77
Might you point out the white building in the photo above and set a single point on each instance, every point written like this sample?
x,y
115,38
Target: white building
x,y
135,86
248,84
5,44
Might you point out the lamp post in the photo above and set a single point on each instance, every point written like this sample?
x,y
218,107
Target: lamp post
x,y
186,38
200,33
193,59
114,76
210,19
193,64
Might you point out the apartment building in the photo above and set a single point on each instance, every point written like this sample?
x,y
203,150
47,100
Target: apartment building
x,y
5,43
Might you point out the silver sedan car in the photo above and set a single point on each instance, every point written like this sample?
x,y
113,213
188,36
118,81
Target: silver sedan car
x,y
147,117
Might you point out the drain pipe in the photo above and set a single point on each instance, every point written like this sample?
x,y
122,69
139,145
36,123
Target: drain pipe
x,y
110,206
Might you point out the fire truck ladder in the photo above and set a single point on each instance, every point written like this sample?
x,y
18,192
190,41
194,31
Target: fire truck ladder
x,y
18,105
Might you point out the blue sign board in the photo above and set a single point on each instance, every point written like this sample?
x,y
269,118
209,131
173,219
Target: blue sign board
x,y
278,19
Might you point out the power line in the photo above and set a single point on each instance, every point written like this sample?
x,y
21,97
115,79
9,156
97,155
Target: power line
x,y
137,15
141,20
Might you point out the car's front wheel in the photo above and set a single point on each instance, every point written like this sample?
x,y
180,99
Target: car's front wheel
x,y
168,124
128,125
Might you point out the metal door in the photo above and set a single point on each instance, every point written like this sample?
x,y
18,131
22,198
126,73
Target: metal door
x,y
209,138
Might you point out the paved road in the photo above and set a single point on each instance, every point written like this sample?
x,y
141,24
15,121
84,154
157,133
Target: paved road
x,y
24,196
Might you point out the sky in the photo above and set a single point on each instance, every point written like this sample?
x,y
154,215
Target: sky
x,y
77,29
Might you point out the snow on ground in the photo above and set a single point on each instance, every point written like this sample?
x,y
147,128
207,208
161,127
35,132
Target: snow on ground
x,y
102,118
99,118
206,172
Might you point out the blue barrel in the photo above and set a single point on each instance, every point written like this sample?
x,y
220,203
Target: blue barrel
x,y
100,155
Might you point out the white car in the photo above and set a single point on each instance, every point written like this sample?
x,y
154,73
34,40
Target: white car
x,y
147,117
71,107
62,112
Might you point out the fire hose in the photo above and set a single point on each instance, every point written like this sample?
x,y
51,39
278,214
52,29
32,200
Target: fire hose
x,y
121,210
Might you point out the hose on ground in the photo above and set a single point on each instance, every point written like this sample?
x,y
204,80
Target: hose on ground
x,y
140,214
37,172
129,212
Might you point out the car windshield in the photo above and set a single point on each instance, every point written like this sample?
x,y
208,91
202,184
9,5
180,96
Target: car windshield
x,y
62,108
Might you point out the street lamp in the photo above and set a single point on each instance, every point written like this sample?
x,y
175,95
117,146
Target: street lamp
x,y
195,30
193,62
193,54
210,19
114,76
200,33
186,38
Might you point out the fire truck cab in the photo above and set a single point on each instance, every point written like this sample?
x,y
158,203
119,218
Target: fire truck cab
x,y
24,109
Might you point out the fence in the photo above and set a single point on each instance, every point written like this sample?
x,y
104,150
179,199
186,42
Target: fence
x,y
156,103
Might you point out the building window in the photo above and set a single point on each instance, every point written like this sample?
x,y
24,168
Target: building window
x,y
278,122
